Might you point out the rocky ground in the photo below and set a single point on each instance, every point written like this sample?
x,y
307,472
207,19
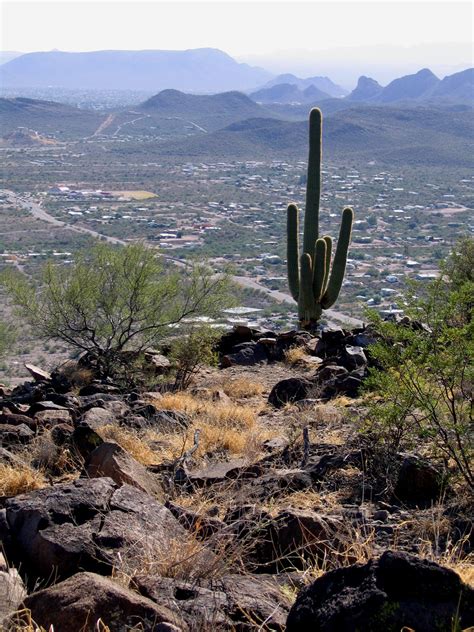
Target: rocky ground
x,y
244,503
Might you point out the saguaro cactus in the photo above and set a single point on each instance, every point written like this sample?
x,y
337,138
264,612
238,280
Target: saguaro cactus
x,y
313,284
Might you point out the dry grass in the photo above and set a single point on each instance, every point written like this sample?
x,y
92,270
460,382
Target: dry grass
x,y
294,356
19,479
182,557
241,388
130,442
224,427
212,412
21,621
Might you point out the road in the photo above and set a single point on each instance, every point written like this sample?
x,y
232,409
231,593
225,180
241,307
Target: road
x,y
280,297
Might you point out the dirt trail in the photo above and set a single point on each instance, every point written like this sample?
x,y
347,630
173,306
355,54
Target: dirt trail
x,y
105,123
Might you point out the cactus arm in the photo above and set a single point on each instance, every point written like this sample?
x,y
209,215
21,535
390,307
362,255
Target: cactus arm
x,y
320,267
292,250
340,260
313,186
306,299
328,241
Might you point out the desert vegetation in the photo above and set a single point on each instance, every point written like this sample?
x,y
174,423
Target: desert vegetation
x,y
248,469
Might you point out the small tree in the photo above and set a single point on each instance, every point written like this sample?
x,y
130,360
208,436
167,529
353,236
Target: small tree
x,y
112,300
192,351
426,376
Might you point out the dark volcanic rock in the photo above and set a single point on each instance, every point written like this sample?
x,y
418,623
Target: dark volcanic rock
x,y
109,459
395,592
76,604
232,602
253,353
15,435
87,525
286,541
289,391
418,482
85,440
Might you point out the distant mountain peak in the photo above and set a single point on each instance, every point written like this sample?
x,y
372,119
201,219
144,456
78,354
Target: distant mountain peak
x,y
366,89
415,86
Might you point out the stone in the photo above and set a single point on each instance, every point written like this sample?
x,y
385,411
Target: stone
x,y
230,602
76,604
289,391
48,418
287,541
61,434
381,515
418,481
15,419
395,592
220,472
158,362
97,417
110,459
201,526
84,440
279,482
352,357
253,354
15,435
12,591
39,375
89,525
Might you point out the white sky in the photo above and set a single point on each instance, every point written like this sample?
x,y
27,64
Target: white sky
x,y
240,28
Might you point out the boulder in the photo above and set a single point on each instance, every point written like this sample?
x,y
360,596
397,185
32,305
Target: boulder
x,y
418,481
97,417
12,591
158,362
395,592
15,419
287,541
76,605
15,435
90,525
254,353
84,440
289,391
352,357
202,526
110,459
39,375
231,602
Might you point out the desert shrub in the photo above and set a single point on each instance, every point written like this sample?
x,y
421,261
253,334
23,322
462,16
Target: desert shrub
x,y
114,300
192,351
424,383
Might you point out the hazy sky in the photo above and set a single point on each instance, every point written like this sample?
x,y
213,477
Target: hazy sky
x,y
259,31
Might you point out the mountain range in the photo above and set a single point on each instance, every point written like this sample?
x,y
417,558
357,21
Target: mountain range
x,y
196,70
422,86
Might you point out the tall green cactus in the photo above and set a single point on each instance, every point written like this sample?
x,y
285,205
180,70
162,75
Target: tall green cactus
x,y
312,282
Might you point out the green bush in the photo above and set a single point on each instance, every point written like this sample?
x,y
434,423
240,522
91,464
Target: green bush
x,y
192,351
425,376
113,300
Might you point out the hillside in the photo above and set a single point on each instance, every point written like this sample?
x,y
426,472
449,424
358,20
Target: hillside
x,y
389,135
46,117
458,87
202,70
239,503
212,112
24,137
